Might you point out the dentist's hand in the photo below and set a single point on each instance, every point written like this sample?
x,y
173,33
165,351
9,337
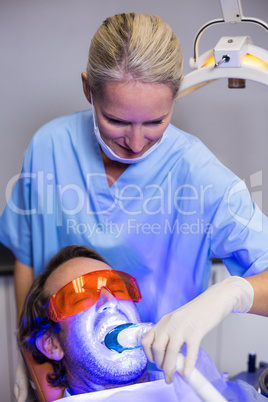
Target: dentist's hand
x,y
20,389
190,323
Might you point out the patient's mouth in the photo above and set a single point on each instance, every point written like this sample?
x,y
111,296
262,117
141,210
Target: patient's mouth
x,y
109,325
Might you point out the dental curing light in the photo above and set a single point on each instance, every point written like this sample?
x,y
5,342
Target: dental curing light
x,y
233,57
119,340
128,336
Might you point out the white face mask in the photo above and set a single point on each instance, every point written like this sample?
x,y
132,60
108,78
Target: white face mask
x,y
110,153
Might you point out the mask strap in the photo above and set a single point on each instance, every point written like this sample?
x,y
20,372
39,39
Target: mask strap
x,y
93,112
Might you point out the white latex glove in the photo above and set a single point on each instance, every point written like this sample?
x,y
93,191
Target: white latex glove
x,y
20,389
190,323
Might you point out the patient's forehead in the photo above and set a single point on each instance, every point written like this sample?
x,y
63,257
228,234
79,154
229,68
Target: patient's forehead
x,y
70,270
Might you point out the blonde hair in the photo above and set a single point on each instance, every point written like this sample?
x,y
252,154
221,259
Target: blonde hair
x,y
134,47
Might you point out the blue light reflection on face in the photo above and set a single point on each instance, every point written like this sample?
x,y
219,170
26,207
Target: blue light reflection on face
x,y
82,338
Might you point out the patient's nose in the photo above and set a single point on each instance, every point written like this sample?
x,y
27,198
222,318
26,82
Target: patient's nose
x,y
106,299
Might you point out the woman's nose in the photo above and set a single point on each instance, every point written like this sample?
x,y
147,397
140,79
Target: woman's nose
x,y
106,299
135,139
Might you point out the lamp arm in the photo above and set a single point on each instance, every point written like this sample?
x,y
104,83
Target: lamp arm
x,y
262,23
200,33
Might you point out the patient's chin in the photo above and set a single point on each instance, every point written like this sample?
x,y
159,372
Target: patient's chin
x,y
129,366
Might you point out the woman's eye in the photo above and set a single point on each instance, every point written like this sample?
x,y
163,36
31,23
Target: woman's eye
x,y
119,122
123,123
156,122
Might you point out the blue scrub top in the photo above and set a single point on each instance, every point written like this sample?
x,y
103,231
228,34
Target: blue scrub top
x,y
161,221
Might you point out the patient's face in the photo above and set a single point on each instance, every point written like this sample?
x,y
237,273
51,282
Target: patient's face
x,y
82,335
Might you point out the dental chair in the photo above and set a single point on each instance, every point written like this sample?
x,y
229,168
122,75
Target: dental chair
x,y
37,374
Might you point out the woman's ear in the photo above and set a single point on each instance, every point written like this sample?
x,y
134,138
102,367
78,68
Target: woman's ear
x,y
86,86
49,345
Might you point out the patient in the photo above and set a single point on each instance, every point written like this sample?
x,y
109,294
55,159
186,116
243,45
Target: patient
x,y
73,344
70,308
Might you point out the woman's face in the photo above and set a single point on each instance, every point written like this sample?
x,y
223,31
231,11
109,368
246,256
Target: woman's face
x,y
132,116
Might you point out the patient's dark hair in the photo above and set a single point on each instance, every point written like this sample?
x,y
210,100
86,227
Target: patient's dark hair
x,y
34,321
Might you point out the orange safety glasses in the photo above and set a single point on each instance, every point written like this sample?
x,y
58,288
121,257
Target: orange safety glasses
x,y
83,292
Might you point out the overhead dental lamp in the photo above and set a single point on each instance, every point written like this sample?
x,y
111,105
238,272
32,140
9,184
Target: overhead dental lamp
x,y
233,57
